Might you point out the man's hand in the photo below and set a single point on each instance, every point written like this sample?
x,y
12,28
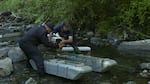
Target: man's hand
x,y
62,41
61,45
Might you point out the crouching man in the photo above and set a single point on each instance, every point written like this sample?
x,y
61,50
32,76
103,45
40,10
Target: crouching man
x,y
66,33
30,41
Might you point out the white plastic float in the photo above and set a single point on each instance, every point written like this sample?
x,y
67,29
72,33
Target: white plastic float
x,y
81,48
54,37
64,68
97,64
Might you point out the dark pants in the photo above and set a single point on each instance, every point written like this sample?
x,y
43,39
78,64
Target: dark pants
x,y
32,52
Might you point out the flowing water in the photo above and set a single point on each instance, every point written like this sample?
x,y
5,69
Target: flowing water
x,y
126,70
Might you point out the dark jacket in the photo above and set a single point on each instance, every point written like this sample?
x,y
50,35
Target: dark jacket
x,y
59,28
37,35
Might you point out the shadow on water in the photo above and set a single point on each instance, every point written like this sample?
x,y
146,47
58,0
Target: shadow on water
x,y
126,70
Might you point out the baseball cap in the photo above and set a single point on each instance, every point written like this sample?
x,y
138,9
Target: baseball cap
x,y
50,25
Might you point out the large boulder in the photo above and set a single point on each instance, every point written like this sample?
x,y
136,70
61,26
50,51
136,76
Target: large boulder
x,y
16,54
6,67
137,48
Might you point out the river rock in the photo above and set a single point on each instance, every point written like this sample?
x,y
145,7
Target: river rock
x,y
31,81
1,36
131,82
103,82
6,13
16,54
1,56
14,34
138,48
145,66
4,43
4,51
145,74
95,41
148,82
90,33
6,67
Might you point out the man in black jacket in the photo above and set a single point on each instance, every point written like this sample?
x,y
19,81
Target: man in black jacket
x,y
29,42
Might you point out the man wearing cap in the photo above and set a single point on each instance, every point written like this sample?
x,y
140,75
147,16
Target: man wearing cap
x,y
65,31
29,42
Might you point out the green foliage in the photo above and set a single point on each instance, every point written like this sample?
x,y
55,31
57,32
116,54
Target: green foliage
x,y
136,17
40,10
102,15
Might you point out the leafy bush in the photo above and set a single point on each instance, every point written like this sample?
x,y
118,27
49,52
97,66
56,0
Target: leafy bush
x,y
102,15
136,17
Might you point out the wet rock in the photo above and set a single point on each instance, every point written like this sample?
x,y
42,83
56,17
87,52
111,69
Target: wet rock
x,y
145,74
9,35
1,56
115,42
145,66
4,43
1,36
6,13
30,26
104,82
85,39
148,82
14,28
95,41
16,54
136,48
31,81
6,67
4,51
130,82
90,33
